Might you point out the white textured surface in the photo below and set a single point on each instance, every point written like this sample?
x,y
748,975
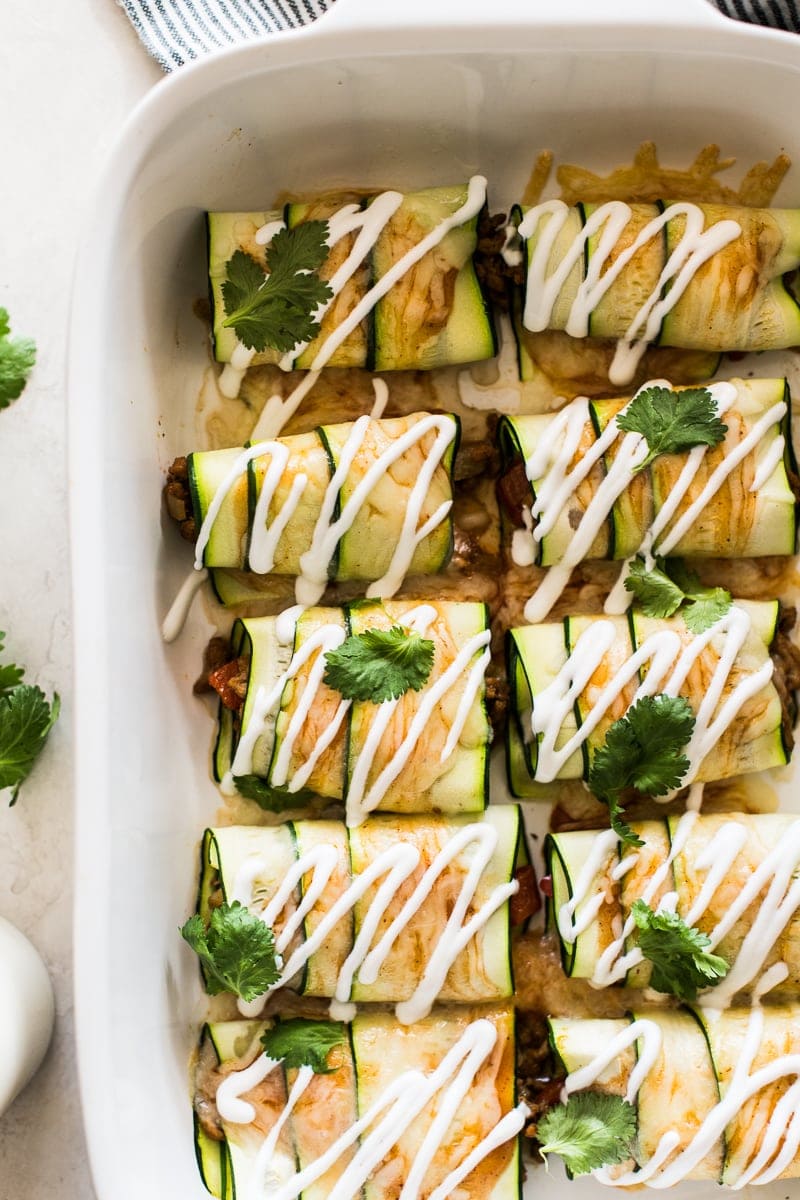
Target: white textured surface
x,y
70,73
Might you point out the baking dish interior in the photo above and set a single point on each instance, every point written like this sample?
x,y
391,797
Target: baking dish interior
x,y
234,138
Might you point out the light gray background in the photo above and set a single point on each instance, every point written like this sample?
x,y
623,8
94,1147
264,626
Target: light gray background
x,y
70,72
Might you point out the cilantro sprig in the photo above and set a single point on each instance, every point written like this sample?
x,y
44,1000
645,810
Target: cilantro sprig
x,y
681,960
17,359
379,664
642,751
672,421
26,718
590,1131
300,1042
669,586
237,951
277,308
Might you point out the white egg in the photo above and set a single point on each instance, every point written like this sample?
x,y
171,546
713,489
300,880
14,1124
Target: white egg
x,y
26,1012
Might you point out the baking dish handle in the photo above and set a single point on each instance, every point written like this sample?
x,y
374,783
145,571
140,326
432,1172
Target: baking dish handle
x,y
376,14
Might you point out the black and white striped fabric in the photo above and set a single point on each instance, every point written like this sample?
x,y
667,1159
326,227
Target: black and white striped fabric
x,y
177,31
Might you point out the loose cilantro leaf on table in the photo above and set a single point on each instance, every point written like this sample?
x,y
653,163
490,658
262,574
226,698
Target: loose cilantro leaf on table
x,y
379,664
276,309
672,421
303,1043
681,960
26,718
662,590
591,1130
642,751
17,359
236,949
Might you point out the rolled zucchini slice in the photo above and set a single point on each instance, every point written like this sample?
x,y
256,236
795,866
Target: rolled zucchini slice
x,y
401,1083
252,864
718,1098
678,1093
732,876
435,314
263,512
747,511
570,681
737,299
428,750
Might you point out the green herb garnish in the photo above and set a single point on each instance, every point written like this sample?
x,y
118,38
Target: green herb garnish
x,y
669,586
277,308
379,664
591,1130
679,953
303,1043
26,718
642,751
17,359
237,951
672,421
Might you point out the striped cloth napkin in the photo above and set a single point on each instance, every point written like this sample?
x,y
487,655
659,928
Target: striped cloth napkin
x,y
177,31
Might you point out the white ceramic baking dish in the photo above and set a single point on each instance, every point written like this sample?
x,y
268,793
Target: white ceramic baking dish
x,y
401,92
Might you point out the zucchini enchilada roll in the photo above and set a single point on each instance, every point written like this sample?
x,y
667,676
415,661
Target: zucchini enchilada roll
x,y
367,500
380,705
714,1093
327,1111
402,291
690,472
693,276
402,910
731,877
574,682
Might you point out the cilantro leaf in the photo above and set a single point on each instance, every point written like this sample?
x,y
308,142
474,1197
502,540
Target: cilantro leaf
x,y
303,1043
271,798
237,951
681,960
642,751
662,590
672,421
618,823
657,594
591,1130
26,718
277,309
17,359
379,664
10,676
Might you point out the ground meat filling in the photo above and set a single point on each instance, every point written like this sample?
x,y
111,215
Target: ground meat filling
x,y
494,273
539,1077
178,497
786,677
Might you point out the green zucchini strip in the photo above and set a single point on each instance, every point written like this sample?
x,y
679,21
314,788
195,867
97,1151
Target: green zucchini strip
x,y
734,1070
558,741
434,315
433,749
429,955
736,522
387,1078
731,296
733,876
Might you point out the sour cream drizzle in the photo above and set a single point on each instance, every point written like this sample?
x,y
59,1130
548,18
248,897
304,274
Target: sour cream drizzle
x,y
774,1151
477,842
330,528
370,223
548,468
384,1123
775,878
362,797
695,247
666,662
